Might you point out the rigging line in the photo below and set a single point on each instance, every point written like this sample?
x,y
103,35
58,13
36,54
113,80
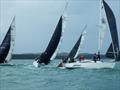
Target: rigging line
x,y
84,28
65,6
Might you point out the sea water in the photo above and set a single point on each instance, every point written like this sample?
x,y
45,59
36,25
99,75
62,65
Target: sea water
x,y
22,75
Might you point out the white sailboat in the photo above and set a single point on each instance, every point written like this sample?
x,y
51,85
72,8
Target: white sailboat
x,y
114,63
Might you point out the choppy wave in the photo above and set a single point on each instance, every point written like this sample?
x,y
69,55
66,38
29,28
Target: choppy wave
x,y
22,75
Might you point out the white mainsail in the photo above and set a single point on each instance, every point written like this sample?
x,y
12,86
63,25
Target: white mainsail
x,y
103,26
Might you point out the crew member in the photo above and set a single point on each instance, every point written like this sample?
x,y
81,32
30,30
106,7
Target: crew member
x,y
95,57
98,56
82,58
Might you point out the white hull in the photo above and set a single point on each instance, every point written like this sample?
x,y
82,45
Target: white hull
x,y
36,64
92,65
62,67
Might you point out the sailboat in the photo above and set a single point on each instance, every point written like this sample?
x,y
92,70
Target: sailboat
x,y
114,46
54,44
75,50
52,48
7,45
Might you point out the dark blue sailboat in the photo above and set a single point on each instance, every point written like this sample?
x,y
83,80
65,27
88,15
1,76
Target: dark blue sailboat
x,y
75,50
53,45
7,44
114,46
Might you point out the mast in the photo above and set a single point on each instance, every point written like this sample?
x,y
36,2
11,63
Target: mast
x,y
65,7
99,39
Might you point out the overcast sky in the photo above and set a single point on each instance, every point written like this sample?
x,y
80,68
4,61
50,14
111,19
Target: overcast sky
x,y
36,21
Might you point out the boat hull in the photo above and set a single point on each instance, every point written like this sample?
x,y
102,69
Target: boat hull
x,y
36,64
93,65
